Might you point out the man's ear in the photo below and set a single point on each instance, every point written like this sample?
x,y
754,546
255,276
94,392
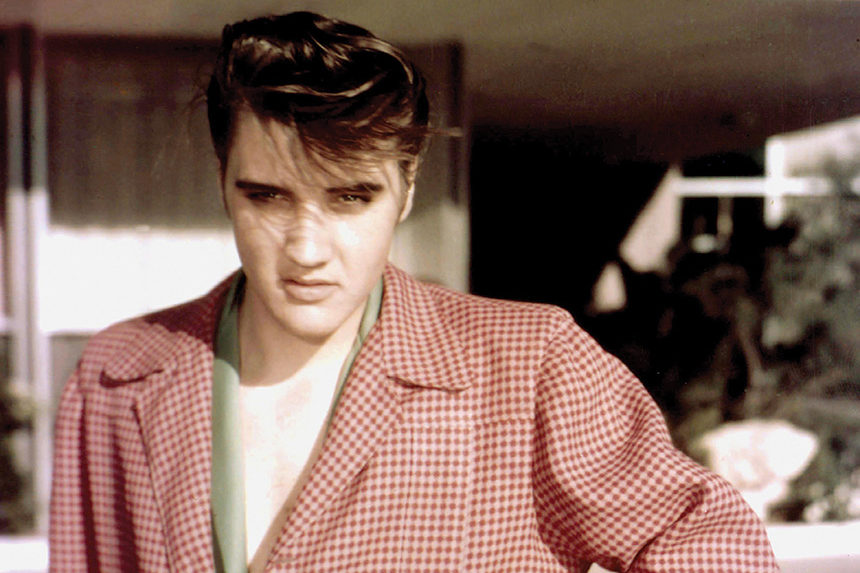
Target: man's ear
x,y
407,203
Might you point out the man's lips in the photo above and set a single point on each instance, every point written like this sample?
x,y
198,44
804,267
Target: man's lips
x,y
308,290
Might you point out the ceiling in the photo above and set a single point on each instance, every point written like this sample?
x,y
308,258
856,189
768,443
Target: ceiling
x,y
665,78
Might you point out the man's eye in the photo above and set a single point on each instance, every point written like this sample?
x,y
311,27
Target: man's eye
x,y
264,196
354,198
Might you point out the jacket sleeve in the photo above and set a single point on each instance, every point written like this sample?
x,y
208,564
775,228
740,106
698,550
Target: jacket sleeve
x,y
70,522
611,488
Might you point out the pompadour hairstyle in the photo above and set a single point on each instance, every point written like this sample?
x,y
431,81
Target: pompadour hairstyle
x,y
348,94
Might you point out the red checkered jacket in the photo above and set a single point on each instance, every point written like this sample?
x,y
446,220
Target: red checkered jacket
x,y
472,435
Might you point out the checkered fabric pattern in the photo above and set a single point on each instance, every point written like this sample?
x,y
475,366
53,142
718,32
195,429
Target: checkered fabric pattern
x,y
472,435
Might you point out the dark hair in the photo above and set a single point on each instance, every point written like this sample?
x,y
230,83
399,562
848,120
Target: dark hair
x,y
347,93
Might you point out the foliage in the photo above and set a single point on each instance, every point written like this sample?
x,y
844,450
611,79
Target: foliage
x,y
761,328
812,341
16,514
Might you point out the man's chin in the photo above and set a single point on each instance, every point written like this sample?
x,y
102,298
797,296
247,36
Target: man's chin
x,y
307,326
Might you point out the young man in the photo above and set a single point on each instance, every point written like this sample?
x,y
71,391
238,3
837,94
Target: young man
x,y
323,411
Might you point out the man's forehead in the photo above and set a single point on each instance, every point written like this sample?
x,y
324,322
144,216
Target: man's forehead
x,y
265,145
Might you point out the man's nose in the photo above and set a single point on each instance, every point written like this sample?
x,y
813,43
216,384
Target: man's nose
x,y
308,243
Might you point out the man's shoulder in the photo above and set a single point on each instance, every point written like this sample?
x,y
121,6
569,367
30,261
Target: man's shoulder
x,y
136,346
488,310
469,312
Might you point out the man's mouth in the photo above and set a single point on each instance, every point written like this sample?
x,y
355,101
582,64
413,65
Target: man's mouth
x,y
308,290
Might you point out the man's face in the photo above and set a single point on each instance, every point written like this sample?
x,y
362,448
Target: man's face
x,y
313,235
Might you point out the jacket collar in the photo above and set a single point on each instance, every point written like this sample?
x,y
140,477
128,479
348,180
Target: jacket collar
x,y
165,360
167,336
420,347
413,343
412,348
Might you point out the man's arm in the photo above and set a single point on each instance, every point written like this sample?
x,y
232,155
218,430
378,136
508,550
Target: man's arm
x,y
70,519
610,486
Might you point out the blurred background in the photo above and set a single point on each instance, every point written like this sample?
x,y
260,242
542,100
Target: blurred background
x,y
682,176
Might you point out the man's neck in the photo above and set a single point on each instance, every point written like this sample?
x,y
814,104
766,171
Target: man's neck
x,y
269,354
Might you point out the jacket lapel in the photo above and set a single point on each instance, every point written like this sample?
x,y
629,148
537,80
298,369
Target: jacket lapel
x,y
410,349
419,347
175,424
173,409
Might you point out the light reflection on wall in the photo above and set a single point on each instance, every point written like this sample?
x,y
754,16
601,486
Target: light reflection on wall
x,y
92,277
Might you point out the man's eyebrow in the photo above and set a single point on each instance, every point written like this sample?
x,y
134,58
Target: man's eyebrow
x,y
359,187
248,185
